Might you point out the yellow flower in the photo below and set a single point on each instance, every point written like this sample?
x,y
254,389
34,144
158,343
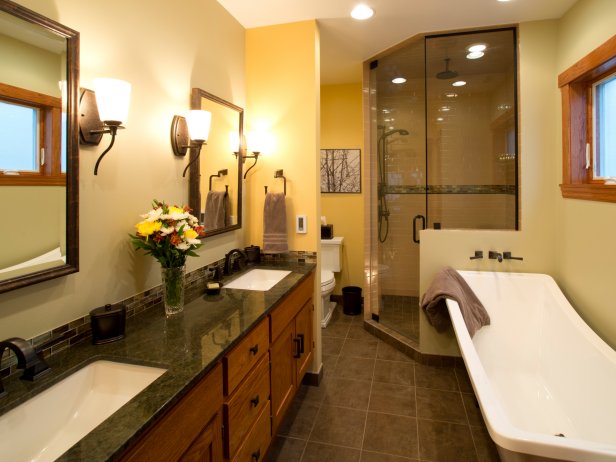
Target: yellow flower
x,y
145,228
190,234
173,209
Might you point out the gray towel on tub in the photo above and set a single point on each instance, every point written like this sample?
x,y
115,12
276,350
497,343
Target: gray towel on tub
x,y
448,283
275,224
216,210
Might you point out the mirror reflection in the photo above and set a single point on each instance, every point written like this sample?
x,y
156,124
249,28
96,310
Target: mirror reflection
x,y
38,77
216,185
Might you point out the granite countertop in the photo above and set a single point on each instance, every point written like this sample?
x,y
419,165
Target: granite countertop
x,y
188,345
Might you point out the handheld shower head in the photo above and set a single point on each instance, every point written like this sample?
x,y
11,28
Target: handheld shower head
x,y
402,132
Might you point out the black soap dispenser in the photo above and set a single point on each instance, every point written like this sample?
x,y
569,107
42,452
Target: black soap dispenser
x,y
108,323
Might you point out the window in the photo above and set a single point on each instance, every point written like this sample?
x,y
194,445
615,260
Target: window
x,y
588,90
30,138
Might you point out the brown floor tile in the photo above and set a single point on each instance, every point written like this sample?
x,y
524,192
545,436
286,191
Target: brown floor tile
x,y
286,449
332,345
367,456
347,393
393,399
359,348
445,442
299,420
354,368
440,378
358,332
312,394
486,449
339,317
329,364
463,381
318,452
391,434
440,405
339,426
386,351
472,409
336,329
394,372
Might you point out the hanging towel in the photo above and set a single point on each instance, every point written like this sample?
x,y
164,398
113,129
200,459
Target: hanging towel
x,y
275,224
216,210
448,283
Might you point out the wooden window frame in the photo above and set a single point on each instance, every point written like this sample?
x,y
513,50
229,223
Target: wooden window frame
x,y
577,112
50,120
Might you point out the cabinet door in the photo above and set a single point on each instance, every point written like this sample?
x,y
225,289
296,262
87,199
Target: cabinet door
x,y
303,332
282,373
208,445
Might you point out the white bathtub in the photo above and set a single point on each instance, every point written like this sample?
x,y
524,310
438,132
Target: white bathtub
x,y
538,371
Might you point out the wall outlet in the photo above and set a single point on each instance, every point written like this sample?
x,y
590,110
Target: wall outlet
x,y
301,225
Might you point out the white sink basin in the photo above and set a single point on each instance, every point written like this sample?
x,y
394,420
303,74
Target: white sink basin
x,y
46,426
258,279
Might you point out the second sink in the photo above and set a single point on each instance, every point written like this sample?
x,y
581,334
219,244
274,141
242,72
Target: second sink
x,y
258,279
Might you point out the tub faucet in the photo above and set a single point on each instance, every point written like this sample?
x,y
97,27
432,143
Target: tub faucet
x,y
228,269
507,256
495,256
33,365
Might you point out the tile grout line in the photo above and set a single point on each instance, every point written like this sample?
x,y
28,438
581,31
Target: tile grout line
x,y
468,420
416,413
363,437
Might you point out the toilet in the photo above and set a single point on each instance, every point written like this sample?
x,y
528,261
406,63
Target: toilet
x,y
331,250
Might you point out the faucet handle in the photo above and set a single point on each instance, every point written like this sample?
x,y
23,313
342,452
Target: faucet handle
x,y
507,256
478,255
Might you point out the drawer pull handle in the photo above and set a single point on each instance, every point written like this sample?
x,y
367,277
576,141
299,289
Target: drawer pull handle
x,y
301,343
255,401
256,455
297,353
254,349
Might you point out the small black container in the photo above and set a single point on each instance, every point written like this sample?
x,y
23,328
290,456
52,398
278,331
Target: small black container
x,y
253,254
108,323
327,231
351,300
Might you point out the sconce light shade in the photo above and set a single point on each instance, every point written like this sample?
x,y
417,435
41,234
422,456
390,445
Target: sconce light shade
x,y
199,123
234,142
112,99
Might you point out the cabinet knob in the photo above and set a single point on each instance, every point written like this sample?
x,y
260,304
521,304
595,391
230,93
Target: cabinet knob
x,y
256,455
254,349
255,401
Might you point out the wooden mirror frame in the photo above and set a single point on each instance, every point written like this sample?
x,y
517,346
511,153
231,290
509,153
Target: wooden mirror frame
x,y
72,150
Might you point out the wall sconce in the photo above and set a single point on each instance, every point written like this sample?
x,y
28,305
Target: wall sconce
x,y
256,141
189,132
103,111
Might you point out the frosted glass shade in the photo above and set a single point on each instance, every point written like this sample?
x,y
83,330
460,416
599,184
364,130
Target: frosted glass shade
x,y
234,141
199,124
112,99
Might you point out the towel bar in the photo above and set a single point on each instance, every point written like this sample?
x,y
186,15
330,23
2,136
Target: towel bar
x,y
218,175
280,174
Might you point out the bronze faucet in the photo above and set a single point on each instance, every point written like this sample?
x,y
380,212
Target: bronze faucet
x,y
27,359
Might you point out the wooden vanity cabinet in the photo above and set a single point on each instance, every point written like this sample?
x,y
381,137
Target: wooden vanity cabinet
x,y
190,431
291,347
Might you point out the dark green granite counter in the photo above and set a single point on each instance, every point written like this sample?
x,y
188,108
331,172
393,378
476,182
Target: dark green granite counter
x,y
187,345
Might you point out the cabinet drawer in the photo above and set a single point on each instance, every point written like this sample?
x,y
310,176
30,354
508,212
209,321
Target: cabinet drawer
x,y
238,362
290,306
258,440
243,407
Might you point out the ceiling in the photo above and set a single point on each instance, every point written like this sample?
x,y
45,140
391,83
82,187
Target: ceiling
x,y
346,43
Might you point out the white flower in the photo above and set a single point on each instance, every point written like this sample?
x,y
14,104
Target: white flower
x,y
181,223
166,230
183,246
153,215
193,241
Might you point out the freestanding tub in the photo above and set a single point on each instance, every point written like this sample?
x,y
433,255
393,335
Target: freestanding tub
x,y
545,382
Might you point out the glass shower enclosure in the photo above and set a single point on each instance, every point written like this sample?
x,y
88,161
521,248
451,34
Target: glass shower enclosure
x,y
443,154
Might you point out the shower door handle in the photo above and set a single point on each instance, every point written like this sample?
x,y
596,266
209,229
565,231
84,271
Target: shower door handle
x,y
423,226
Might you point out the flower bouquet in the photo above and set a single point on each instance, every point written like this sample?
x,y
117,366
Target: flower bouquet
x,y
169,234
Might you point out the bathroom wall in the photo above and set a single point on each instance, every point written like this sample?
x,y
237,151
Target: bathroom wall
x,y
283,101
538,182
341,127
587,248
164,49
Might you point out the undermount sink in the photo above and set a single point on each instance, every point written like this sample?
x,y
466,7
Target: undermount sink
x,y
46,426
258,279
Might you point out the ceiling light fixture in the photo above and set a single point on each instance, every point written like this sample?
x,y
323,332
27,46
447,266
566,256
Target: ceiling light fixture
x,y
398,80
362,12
451,94
474,55
459,83
477,47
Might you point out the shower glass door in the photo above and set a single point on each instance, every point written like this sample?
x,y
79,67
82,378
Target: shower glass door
x,y
443,155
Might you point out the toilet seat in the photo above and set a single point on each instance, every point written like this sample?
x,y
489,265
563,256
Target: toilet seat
x,y
327,279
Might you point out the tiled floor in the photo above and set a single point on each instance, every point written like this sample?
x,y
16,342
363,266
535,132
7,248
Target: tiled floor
x,y
377,405
401,314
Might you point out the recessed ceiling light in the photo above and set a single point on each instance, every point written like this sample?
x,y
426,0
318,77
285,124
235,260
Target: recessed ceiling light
x,y
439,119
444,109
398,80
362,12
459,83
477,47
474,55
451,94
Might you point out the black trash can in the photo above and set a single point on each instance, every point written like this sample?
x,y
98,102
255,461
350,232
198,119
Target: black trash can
x,y
351,300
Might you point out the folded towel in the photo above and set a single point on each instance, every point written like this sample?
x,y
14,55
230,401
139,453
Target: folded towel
x,y
216,210
448,283
275,224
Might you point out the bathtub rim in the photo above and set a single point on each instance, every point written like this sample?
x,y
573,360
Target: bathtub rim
x,y
501,430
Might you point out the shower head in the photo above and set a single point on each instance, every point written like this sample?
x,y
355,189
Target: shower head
x,y
446,74
402,132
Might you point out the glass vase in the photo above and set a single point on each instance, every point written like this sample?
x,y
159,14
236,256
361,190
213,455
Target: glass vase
x,y
173,289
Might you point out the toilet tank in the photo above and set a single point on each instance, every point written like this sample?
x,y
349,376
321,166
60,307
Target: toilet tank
x,y
331,254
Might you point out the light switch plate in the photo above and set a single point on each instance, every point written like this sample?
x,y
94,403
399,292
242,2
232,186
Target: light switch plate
x,y
301,226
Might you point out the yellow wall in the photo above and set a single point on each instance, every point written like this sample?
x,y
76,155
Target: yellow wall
x,y
341,127
587,247
163,51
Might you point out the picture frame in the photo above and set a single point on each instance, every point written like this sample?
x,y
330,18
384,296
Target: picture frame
x,y
340,170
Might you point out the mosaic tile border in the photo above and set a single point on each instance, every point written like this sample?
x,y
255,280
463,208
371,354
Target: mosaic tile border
x,y
79,330
452,189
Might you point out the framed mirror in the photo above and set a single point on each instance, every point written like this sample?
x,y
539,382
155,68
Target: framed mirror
x,y
215,182
39,78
